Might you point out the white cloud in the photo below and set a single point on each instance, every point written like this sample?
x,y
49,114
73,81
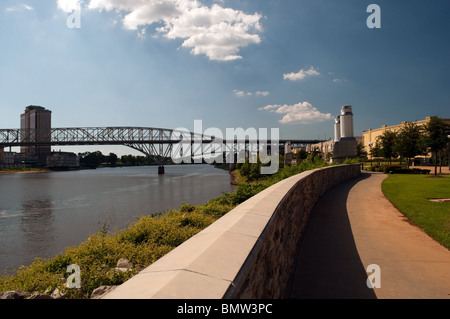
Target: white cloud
x,y
217,32
302,112
339,80
68,6
20,7
300,75
239,93
243,93
141,34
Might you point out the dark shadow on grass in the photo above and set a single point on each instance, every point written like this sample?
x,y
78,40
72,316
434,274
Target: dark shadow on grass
x,y
327,264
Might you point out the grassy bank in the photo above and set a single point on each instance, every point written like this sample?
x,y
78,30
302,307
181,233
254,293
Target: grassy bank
x,y
142,243
23,170
411,194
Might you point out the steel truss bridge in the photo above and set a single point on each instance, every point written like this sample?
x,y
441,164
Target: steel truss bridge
x,y
157,143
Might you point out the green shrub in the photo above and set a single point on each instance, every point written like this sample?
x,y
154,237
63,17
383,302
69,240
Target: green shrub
x,y
186,208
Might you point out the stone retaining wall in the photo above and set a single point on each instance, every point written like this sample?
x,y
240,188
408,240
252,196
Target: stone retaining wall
x,y
248,253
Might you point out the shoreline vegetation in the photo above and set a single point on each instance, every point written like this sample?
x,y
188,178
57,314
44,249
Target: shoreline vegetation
x,y
143,241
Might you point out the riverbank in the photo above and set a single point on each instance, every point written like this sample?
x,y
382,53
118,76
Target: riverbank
x,y
141,243
24,171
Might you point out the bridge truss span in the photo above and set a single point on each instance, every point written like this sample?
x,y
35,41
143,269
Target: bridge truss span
x,y
157,143
154,142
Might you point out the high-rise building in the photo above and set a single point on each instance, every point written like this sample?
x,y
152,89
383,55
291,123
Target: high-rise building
x,y
36,125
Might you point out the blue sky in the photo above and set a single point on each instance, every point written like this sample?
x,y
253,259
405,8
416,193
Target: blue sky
x,y
287,64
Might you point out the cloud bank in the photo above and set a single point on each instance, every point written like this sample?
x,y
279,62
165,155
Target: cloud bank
x,y
300,75
239,93
301,113
215,31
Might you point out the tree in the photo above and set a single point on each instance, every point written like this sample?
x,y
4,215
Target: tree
x,y
301,155
245,168
436,138
250,170
360,152
410,142
387,145
89,159
375,151
111,159
255,171
128,160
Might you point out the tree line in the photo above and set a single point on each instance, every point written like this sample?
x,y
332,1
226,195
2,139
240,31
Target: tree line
x,y
97,159
413,140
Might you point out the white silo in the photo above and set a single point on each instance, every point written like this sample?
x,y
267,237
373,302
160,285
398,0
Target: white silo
x,y
337,129
287,154
346,121
287,148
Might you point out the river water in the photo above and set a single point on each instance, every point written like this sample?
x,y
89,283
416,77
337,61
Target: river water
x,y
43,213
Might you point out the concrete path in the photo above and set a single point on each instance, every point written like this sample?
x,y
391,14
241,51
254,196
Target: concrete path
x,y
354,226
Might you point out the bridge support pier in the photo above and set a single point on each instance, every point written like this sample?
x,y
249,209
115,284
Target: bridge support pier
x,y
161,170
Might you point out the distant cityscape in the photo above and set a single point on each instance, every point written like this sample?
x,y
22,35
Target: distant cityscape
x,y
36,124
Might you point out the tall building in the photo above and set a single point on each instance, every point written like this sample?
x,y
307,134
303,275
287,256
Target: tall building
x,y
36,125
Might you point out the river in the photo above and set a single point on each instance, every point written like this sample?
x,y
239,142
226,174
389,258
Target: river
x,y
43,213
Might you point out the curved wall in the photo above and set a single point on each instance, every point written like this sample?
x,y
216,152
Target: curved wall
x,y
248,253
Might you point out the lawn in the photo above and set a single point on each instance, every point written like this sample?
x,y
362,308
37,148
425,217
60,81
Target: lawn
x,y
411,194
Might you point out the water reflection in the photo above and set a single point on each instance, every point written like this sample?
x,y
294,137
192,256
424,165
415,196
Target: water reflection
x,y
37,226
42,214
36,217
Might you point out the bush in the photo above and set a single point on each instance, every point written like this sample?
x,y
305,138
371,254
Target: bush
x,y
397,169
186,208
408,171
244,192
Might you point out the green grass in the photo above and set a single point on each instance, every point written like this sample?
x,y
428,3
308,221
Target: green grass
x,y
411,194
142,243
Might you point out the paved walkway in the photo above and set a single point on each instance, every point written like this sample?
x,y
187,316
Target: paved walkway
x,y
354,226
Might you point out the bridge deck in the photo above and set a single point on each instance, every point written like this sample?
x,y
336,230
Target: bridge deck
x,y
120,136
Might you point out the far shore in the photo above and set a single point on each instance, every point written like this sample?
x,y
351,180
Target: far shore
x,y
25,171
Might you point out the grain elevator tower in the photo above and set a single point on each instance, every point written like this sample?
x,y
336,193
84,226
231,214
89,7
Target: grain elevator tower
x,y
345,144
